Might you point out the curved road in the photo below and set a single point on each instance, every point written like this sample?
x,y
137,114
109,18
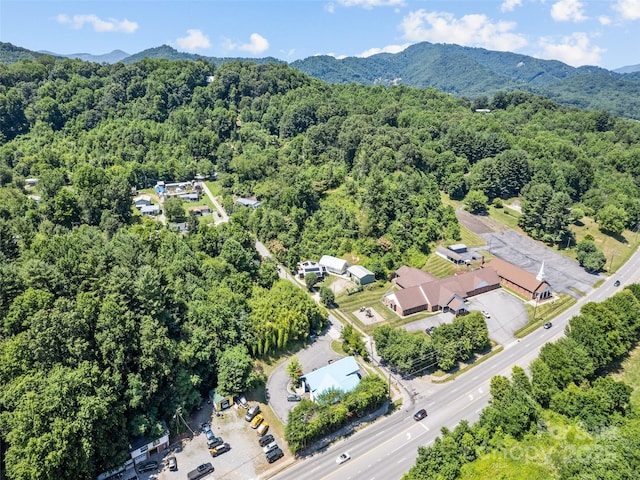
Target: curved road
x,y
388,448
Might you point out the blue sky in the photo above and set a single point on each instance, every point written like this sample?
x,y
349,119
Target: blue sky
x,y
578,32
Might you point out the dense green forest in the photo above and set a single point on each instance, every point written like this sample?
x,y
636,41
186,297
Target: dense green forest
x,y
109,323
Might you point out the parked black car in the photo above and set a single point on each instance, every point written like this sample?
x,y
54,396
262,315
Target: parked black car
x,y
147,466
616,283
200,472
266,440
274,455
292,397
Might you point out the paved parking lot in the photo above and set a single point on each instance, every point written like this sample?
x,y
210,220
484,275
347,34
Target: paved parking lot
x,y
507,314
314,355
561,272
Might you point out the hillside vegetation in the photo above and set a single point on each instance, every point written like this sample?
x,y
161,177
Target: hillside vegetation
x,y
132,320
466,72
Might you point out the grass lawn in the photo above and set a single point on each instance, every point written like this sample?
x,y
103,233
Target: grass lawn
x,y
469,238
371,298
630,374
505,215
441,268
544,313
616,249
214,187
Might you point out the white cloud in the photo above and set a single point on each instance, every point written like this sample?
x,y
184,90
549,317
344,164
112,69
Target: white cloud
x,y
194,40
257,44
629,9
475,30
387,49
330,7
98,24
510,5
568,11
575,50
371,3
604,20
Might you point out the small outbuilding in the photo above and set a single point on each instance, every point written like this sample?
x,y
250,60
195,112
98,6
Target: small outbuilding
x,y
334,265
248,202
220,402
361,275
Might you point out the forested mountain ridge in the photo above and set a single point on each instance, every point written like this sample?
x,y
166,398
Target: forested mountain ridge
x,y
462,71
131,319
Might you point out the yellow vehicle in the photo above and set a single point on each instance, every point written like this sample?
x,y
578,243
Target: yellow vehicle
x,y
262,429
257,420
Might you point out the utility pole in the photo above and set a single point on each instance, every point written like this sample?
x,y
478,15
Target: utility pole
x,y
611,261
178,415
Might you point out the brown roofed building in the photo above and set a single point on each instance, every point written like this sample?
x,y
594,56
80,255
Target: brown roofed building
x,y
526,283
406,277
200,210
447,294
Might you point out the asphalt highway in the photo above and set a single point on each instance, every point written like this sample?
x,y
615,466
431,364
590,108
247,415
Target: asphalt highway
x,y
388,448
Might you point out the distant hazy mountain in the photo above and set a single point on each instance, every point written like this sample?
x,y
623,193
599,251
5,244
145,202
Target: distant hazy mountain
x,y
170,53
462,71
452,68
9,53
113,57
628,69
476,72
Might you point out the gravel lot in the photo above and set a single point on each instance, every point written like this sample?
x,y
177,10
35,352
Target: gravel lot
x,y
245,460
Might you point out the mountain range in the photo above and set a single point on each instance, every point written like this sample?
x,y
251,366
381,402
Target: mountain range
x,y
474,73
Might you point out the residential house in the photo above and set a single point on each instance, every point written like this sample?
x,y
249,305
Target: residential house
x,y
343,375
334,265
200,210
150,210
532,286
309,266
361,275
142,201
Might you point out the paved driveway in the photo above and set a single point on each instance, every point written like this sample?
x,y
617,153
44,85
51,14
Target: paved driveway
x,y
561,272
314,355
508,313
